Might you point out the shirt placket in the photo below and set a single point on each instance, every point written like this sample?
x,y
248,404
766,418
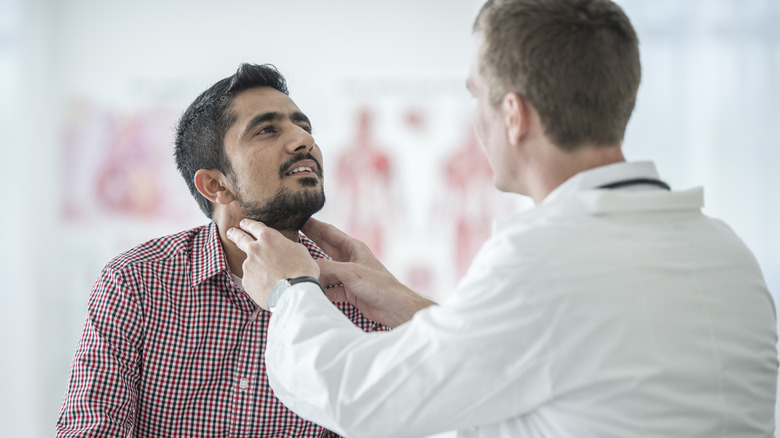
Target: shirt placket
x,y
245,379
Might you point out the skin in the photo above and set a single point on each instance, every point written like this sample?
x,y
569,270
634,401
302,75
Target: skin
x,y
256,145
524,161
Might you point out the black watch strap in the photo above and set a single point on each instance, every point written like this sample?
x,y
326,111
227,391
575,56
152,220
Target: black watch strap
x,y
283,285
305,279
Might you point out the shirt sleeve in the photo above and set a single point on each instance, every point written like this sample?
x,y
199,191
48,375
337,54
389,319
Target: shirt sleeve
x,y
103,383
450,367
359,319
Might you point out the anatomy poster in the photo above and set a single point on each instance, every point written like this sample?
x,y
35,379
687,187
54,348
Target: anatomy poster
x,y
118,164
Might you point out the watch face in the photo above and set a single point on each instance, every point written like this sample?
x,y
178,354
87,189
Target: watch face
x,y
276,292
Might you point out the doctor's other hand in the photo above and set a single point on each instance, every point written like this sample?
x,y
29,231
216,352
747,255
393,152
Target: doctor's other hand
x,y
357,276
270,257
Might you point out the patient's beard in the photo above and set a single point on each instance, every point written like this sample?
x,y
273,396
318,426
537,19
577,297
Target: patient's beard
x,y
288,210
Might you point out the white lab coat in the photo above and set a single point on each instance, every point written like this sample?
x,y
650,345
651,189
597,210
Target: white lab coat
x,y
599,313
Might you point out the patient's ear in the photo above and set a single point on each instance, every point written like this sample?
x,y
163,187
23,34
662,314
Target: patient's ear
x,y
515,112
213,185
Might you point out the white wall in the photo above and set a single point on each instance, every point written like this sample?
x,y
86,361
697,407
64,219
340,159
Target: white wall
x,y
71,69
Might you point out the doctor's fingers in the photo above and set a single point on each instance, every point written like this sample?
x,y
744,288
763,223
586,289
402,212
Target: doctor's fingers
x,y
333,273
338,244
255,228
241,238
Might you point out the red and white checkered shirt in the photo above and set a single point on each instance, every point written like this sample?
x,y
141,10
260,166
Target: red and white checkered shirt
x,y
172,347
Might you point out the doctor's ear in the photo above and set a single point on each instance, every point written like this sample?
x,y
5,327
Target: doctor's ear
x,y
213,185
516,115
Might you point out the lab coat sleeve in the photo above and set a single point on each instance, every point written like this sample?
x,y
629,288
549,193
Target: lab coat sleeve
x,y
450,367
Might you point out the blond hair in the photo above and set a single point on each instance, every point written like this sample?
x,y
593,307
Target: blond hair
x,y
575,61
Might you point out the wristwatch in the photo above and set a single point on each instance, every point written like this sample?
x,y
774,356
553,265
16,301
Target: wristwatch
x,y
282,286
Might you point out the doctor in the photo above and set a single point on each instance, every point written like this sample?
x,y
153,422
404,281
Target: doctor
x,y
614,308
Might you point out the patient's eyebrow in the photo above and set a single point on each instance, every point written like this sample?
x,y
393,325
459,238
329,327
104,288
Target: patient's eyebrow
x,y
298,116
271,116
260,119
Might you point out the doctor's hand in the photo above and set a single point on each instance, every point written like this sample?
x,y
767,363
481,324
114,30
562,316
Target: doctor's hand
x,y
356,275
270,257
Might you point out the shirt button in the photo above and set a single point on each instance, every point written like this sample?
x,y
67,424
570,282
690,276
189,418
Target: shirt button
x,y
243,383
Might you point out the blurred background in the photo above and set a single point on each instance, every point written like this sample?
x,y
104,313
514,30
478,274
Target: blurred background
x,y
90,91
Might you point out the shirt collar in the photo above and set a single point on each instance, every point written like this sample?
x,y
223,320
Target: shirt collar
x,y
598,176
208,257
315,251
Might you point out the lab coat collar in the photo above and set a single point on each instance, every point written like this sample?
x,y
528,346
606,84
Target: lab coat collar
x,y
580,196
598,176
